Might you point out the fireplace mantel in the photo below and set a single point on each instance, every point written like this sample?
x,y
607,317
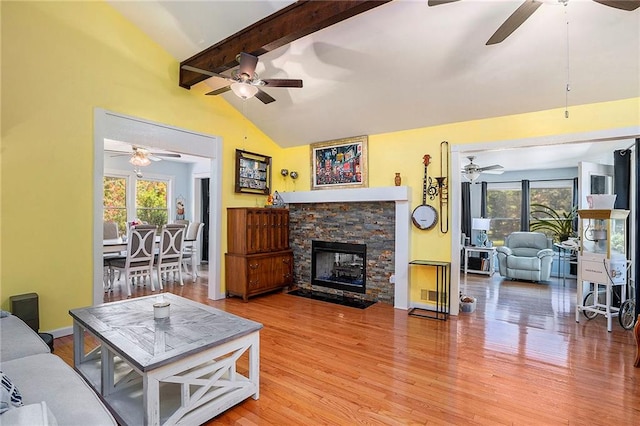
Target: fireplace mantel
x,y
401,195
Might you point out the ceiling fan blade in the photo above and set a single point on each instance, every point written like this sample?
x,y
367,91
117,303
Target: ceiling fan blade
x,y
264,97
493,172
166,154
219,91
439,2
248,65
493,167
628,5
516,19
205,72
281,82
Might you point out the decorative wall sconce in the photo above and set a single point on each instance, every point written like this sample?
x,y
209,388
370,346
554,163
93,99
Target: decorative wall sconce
x,y
294,175
284,172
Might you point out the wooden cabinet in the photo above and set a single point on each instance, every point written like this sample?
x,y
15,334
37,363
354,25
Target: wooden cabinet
x,y
258,257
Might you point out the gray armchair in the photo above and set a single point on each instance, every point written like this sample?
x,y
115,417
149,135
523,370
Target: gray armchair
x,y
526,256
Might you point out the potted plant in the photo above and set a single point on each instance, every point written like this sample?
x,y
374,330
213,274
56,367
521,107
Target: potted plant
x,y
549,221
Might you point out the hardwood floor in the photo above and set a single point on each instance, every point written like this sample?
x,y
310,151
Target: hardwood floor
x,y
520,358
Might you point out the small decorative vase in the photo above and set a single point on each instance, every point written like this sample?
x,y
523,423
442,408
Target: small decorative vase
x,y
636,333
398,179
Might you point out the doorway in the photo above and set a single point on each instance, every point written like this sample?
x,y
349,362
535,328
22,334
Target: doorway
x,y
111,125
460,151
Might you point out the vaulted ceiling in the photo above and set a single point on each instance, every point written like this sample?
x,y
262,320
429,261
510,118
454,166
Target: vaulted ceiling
x,y
404,64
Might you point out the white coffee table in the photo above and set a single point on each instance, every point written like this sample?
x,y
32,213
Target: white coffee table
x,y
178,370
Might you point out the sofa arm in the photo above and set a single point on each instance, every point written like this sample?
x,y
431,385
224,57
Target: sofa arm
x,y
504,250
544,253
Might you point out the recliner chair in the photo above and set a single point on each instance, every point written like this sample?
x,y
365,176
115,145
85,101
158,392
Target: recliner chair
x,y
526,256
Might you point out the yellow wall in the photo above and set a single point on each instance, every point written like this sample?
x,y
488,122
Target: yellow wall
x,y
60,60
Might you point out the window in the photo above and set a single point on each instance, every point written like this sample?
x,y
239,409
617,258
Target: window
x,y
151,202
504,201
127,198
115,201
503,207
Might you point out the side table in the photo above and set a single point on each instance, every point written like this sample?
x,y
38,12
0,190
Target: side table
x,y
443,284
491,251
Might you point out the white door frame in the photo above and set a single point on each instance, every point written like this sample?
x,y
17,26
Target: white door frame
x,y
134,130
460,151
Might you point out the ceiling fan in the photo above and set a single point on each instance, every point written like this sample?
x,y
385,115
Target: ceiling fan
x,y
527,8
472,171
244,81
143,157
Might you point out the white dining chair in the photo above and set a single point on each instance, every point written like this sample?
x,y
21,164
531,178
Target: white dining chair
x,y
138,263
190,252
169,257
109,232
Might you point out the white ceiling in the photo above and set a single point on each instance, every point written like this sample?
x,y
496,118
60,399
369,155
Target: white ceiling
x,y
405,65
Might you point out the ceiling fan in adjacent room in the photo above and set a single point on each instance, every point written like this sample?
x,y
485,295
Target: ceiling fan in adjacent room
x,y
526,9
141,157
244,81
472,171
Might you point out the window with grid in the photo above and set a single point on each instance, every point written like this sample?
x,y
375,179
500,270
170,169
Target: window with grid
x,y
556,194
152,204
503,207
115,201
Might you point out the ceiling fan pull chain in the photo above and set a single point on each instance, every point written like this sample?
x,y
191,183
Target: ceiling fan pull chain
x,y
568,86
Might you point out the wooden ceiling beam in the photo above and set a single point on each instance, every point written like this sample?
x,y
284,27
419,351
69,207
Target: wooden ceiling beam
x,y
282,27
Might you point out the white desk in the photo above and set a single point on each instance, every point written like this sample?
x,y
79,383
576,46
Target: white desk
x,y
178,370
491,251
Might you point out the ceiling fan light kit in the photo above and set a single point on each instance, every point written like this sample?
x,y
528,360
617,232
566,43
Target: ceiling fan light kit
x,y
139,159
244,90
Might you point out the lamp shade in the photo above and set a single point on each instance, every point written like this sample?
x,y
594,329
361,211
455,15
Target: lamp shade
x,y
480,224
244,90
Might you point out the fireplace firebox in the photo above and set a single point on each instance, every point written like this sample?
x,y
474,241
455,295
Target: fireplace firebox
x,y
341,266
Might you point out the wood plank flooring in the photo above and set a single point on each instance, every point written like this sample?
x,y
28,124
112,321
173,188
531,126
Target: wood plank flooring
x,y
520,358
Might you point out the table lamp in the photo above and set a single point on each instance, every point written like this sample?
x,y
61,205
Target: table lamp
x,y
482,225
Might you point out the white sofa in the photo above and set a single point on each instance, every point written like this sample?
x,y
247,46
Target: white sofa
x,y
52,392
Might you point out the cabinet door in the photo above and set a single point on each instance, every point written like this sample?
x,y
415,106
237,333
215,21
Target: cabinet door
x,y
283,270
255,231
281,230
255,274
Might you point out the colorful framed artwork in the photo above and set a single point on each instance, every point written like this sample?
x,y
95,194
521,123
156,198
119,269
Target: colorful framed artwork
x,y
253,173
339,163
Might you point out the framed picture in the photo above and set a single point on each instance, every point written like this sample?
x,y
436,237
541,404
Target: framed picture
x,y
253,173
180,211
340,163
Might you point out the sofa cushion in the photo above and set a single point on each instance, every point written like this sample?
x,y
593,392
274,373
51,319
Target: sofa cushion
x,y
18,339
31,415
526,263
46,377
11,396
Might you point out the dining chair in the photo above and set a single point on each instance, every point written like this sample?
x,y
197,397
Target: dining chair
x,y
138,263
109,232
169,257
191,247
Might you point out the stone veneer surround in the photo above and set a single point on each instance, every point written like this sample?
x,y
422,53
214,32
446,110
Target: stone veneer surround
x,y
370,223
397,194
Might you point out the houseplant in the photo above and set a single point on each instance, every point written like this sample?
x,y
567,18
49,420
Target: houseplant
x,y
558,224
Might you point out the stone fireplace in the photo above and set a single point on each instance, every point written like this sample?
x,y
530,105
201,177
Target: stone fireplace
x,y
376,217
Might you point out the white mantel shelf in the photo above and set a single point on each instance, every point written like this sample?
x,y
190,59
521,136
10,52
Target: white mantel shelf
x,y
385,193
401,195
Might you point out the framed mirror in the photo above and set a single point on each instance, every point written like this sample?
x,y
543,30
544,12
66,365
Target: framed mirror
x,y
253,173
